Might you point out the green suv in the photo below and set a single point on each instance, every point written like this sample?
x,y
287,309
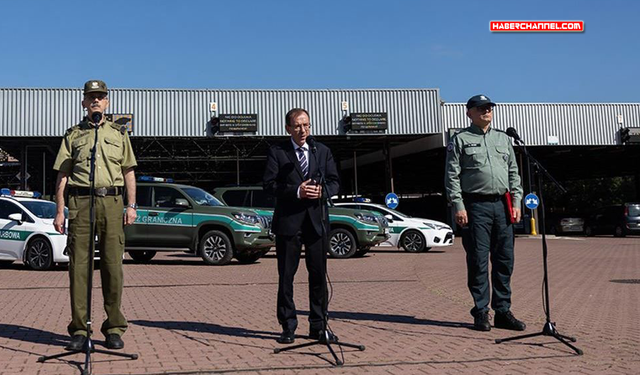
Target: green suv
x,y
173,217
352,232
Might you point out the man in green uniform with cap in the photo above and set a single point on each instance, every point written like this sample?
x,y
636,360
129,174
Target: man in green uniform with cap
x,y
480,168
114,164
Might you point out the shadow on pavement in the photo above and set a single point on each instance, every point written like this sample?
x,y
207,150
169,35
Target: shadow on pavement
x,y
391,318
212,328
33,335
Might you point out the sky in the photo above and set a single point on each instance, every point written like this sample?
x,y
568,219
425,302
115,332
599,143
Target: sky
x,y
326,44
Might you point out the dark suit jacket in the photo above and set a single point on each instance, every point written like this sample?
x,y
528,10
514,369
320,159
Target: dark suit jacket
x,y
283,176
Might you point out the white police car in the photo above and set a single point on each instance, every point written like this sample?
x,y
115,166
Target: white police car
x,y
27,233
413,234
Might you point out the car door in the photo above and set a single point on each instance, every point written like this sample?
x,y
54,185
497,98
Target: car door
x,y
169,224
12,233
137,233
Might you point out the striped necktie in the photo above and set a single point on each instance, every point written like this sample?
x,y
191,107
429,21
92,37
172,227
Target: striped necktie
x,y
304,165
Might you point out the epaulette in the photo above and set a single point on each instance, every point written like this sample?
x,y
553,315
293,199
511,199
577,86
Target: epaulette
x,y
121,128
72,129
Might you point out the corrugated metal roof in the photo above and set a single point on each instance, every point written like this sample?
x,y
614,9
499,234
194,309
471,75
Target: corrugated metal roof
x,y
538,124
185,113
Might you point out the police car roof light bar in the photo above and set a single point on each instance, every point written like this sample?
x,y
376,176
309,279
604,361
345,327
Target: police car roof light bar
x,y
20,193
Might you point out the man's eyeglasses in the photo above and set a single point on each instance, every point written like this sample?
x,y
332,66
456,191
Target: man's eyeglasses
x,y
299,127
485,108
96,96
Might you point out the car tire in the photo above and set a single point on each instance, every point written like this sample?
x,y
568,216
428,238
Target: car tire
x,y
588,231
619,231
142,256
413,241
362,251
39,254
215,248
342,244
248,258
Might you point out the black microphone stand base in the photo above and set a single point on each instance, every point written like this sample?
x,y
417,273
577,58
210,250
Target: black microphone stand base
x,y
327,342
549,329
87,349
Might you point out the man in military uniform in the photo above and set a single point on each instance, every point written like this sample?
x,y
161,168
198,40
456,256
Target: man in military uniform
x,y
114,164
480,168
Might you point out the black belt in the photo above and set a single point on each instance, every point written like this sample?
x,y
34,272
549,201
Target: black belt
x,y
481,197
99,192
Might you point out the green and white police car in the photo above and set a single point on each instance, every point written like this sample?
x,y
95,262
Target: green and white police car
x,y
412,234
27,233
174,217
351,232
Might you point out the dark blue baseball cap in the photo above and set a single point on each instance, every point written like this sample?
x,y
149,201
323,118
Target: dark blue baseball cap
x,y
479,100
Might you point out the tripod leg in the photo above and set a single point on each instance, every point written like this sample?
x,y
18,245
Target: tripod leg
x,y
338,362
562,340
572,339
360,347
298,346
59,355
498,341
109,352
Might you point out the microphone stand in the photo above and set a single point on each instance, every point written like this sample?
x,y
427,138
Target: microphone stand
x,y
549,328
88,347
328,338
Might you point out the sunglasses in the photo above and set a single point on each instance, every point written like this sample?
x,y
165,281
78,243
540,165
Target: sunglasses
x,y
485,108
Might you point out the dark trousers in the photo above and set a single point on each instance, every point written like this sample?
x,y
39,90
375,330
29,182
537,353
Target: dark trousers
x,y
489,235
288,249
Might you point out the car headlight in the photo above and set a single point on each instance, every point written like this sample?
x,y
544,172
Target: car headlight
x,y
430,226
246,218
368,219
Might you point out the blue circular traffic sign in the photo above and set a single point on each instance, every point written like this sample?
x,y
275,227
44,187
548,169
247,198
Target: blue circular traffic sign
x,y
391,200
531,201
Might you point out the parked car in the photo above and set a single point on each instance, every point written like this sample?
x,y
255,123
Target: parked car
x,y
618,220
564,223
175,217
27,233
412,234
351,232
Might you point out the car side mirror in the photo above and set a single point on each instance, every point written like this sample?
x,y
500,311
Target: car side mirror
x,y
16,217
181,202
389,217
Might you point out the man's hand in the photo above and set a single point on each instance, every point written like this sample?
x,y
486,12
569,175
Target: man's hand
x,y
58,223
461,218
517,214
310,190
130,216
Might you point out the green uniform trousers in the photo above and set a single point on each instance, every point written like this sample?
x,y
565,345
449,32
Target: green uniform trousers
x,y
110,232
488,235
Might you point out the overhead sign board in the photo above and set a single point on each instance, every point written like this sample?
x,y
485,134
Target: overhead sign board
x,y
239,123
373,121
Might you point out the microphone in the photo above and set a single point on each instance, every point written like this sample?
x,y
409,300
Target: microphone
x,y
96,117
312,144
511,132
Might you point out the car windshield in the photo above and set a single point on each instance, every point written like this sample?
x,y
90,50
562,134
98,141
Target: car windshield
x,y
634,210
42,209
201,197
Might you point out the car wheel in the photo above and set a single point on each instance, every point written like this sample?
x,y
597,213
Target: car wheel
x,y
342,244
248,258
413,241
142,256
362,251
215,248
588,231
619,231
39,254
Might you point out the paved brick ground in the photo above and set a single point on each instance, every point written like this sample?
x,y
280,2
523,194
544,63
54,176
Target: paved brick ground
x,y
410,310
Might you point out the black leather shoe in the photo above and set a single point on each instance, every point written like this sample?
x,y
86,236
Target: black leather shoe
x,y
114,341
321,336
508,321
76,343
481,322
286,337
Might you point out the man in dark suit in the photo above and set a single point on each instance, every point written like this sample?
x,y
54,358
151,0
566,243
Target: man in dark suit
x,y
293,175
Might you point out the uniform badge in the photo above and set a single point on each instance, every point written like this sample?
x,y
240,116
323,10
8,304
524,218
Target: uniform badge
x,y
505,157
450,147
